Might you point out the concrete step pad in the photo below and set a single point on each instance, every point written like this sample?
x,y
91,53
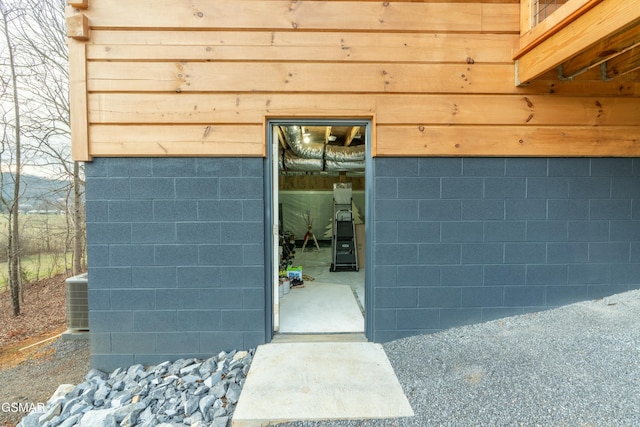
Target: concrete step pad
x,y
319,381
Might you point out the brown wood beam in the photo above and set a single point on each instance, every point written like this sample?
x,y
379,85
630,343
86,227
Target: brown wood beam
x,y
622,64
600,22
353,131
78,4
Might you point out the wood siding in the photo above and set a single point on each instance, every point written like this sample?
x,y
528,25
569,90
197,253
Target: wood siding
x,y
167,78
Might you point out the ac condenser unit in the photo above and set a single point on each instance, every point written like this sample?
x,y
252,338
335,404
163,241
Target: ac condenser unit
x,y
78,303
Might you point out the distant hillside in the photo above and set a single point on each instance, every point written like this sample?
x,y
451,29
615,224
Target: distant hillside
x,y
37,193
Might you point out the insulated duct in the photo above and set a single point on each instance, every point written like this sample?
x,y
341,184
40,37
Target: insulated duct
x,y
310,156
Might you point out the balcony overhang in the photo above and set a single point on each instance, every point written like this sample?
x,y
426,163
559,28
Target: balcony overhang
x,y
580,36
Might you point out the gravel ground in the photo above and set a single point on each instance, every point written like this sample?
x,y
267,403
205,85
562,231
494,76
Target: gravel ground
x,y
577,365
34,381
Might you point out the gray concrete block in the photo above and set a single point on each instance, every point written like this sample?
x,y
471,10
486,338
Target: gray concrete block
x,y
387,232
253,298
573,252
130,211
395,166
482,253
547,188
523,296
589,231
152,188
241,188
513,231
253,210
625,231
109,362
385,319
221,298
418,318
625,274
182,342
110,321
561,295
174,166
241,232
569,166
220,255
439,253
386,188
461,275
412,276
505,188
107,189
453,317
525,253
153,232
625,187
209,166
197,188
418,188
133,342
531,209
483,166
109,233
462,188
199,320
504,274
133,299
440,210
611,166
100,342
547,231
440,167
417,232
566,209
610,209
99,299
178,299
396,254
396,210
244,277
589,274
198,277
396,297
526,167
547,275
97,168
608,252
253,254
495,313
476,209
175,210
214,342
198,232
243,320
482,296
175,255
109,277
590,188
153,277
220,210
251,166
128,167
96,211
462,231
155,321
438,297
125,255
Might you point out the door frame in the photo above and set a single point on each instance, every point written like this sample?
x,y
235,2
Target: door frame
x,y
271,171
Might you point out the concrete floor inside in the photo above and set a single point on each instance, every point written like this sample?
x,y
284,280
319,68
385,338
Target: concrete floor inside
x,y
332,302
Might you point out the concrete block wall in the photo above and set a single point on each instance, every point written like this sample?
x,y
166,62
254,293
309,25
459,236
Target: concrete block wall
x,y
459,241
176,258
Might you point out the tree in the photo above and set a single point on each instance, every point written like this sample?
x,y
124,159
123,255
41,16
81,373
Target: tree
x,y
13,244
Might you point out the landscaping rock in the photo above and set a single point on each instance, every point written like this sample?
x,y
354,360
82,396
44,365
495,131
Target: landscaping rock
x,y
185,392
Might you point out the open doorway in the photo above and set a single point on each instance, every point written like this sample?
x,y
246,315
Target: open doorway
x,y
319,206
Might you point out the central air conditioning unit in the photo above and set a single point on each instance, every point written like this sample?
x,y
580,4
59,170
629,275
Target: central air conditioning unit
x,y
78,303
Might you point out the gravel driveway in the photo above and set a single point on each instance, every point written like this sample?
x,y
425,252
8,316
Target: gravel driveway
x,y
577,365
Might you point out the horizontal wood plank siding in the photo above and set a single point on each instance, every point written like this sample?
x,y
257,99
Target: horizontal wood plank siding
x,y
166,78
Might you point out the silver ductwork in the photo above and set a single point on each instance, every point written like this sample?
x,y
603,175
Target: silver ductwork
x,y
310,156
